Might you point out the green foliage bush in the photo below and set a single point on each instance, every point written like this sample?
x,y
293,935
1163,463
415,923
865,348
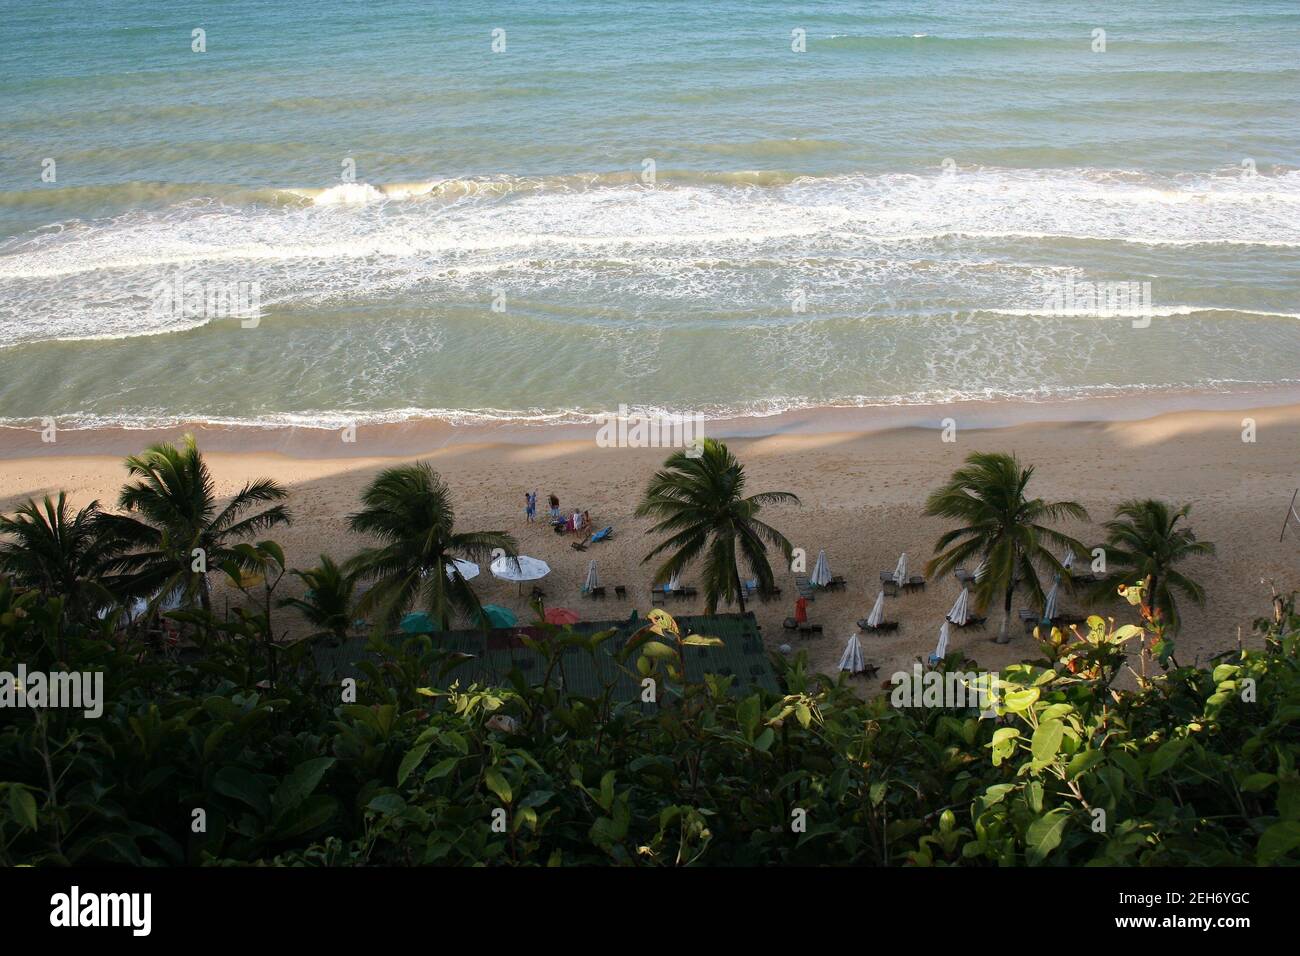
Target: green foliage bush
x,y
1197,766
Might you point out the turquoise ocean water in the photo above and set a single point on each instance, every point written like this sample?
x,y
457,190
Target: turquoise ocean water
x,y
878,219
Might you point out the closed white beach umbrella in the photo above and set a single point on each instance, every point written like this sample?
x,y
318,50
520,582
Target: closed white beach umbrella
x,y
960,612
982,570
941,650
1067,562
852,660
1050,605
674,583
900,572
877,611
522,568
591,580
821,572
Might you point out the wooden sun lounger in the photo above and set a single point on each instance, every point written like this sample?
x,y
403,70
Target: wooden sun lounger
x,y
884,627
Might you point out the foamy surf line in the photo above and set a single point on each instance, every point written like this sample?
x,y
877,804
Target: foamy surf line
x,y
696,242
384,436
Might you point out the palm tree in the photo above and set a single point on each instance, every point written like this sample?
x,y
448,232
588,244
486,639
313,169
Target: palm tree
x,y
59,553
409,509
1000,526
327,605
698,502
180,532
1143,542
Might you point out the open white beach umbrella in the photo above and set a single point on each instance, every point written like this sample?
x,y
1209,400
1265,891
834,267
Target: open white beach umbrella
x,y
851,660
900,572
941,650
468,569
821,572
591,579
877,611
1053,600
982,569
522,568
674,583
960,612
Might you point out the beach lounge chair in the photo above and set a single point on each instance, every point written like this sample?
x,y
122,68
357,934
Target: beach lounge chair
x,y
620,592
808,630
597,593
790,624
579,545
884,627
604,534
915,583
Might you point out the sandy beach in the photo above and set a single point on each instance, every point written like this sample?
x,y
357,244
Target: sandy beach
x,y
862,493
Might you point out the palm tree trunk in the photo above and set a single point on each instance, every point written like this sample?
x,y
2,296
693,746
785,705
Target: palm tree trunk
x,y
205,592
1004,632
740,592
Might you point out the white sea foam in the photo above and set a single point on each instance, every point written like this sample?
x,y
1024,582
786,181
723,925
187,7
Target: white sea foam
x,y
711,244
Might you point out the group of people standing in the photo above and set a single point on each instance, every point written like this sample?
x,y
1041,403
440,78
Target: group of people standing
x,y
579,520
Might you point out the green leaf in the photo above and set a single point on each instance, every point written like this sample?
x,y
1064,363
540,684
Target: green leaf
x,y
411,761
1046,741
804,715
1019,700
300,783
1277,841
658,651
1044,835
1167,754
23,806
1082,762
497,784
314,812
1258,781
389,804
442,768
239,784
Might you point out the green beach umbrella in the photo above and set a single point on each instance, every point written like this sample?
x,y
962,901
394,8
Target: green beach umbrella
x,y
418,622
498,616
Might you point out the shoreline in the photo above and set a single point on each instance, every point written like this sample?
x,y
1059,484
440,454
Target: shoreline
x,y
415,436
862,493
